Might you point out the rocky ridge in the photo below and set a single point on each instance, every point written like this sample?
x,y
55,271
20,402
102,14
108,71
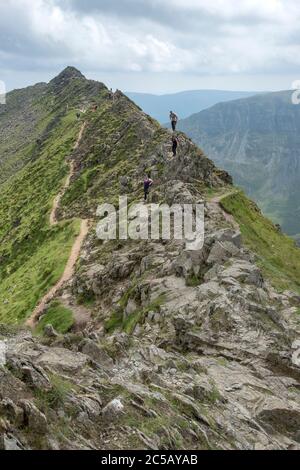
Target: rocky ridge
x,y
182,349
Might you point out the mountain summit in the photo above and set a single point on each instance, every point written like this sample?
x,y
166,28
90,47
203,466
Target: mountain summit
x,y
135,344
69,73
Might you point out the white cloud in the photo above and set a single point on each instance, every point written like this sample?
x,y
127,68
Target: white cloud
x,y
187,36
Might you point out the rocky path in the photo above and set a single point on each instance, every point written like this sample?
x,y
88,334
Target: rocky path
x,y
81,314
228,217
56,202
76,248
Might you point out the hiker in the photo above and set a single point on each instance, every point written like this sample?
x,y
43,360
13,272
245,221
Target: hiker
x,y
174,120
147,185
111,94
175,143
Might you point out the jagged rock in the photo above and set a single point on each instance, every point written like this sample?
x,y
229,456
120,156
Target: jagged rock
x,y
113,410
293,297
62,360
244,272
226,235
131,307
278,416
222,251
98,354
88,407
2,353
202,390
189,263
9,442
11,411
11,387
50,332
177,192
34,419
209,290
36,378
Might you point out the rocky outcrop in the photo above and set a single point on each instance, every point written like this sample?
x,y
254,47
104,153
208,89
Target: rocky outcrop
x,y
165,362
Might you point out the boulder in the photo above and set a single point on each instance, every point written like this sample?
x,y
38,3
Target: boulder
x,y
226,235
2,353
34,419
63,360
12,412
50,332
244,272
9,442
95,352
113,410
36,378
221,252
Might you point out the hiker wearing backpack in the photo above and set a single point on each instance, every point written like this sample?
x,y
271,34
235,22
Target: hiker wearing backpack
x,y
174,120
148,182
175,143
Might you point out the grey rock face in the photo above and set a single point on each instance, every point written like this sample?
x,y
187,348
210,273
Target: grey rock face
x,y
33,418
9,442
113,410
50,331
98,354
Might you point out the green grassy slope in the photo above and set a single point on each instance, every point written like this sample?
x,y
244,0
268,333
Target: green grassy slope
x,y
58,316
277,254
115,141
23,120
33,255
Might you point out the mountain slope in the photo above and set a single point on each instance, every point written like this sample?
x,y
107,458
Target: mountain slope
x,y
184,103
32,253
22,120
257,141
157,346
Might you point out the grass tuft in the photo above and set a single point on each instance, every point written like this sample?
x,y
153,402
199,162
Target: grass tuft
x,y
58,316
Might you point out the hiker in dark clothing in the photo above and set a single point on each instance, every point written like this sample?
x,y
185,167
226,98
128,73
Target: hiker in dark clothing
x,y
147,185
174,145
174,120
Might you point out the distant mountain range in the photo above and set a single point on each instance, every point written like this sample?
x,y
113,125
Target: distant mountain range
x,y
258,141
184,103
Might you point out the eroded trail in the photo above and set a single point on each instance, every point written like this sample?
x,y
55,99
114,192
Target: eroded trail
x,y
76,248
228,217
56,202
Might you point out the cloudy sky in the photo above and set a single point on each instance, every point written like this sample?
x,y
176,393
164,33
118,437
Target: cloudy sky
x,y
153,45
